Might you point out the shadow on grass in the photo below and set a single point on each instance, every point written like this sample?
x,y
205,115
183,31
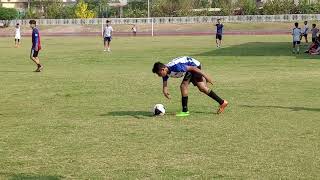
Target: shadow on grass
x,y
13,71
284,107
260,49
134,114
143,114
23,176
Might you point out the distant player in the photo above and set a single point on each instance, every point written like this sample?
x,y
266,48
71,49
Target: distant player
x,y
107,36
315,32
219,33
17,36
190,70
134,30
296,34
305,31
36,45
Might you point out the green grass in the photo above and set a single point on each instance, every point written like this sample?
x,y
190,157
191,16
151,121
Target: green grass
x,y
87,115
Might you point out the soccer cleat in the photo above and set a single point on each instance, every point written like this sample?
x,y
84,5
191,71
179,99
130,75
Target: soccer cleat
x,y
39,69
222,107
104,50
183,114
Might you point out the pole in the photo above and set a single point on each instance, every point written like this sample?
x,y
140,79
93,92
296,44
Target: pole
x,y
148,8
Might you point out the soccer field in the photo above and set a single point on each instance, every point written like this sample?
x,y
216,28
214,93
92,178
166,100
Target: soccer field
x,y
87,115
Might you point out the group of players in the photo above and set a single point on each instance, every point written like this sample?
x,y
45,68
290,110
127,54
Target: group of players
x,y
184,67
299,33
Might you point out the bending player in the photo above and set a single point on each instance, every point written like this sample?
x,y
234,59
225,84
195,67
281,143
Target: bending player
x,y
190,69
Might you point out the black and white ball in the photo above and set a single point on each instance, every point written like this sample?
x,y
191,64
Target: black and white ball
x,y
158,110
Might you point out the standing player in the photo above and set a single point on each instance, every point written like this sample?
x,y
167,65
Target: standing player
x,y
296,34
134,30
191,70
305,31
36,45
107,36
314,31
17,36
219,26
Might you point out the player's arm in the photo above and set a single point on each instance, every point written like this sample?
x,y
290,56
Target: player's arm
x,y
36,42
198,71
165,89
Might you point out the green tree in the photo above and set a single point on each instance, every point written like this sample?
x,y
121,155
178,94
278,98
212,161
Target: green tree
x,y
248,7
54,10
8,13
82,10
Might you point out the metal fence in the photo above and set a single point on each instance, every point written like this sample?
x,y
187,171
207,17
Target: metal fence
x,y
175,20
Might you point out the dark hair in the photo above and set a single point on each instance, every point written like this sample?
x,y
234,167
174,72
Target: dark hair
x,y
17,24
314,25
157,67
107,21
32,22
296,24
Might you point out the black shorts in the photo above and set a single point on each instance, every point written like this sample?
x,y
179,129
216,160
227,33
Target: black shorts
x,y
219,36
107,39
314,39
34,53
193,77
296,42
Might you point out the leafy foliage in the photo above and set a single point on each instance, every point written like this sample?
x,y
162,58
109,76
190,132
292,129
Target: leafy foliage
x,y
8,13
82,10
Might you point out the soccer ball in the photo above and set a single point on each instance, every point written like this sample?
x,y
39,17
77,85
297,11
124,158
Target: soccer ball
x,y
158,110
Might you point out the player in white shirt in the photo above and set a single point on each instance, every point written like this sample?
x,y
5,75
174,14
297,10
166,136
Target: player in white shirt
x,y
134,30
296,34
107,36
17,36
305,31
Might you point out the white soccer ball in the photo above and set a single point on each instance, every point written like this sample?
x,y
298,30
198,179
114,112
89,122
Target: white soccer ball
x,y
158,110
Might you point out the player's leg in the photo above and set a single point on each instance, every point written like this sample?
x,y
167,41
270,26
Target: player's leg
x,y
294,47
108,43
184,88
18,42
306,37
105,44
202,86
217,40
34,57
220,40
298,47
15,42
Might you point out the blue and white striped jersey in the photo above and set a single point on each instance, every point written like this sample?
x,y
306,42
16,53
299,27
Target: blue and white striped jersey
x,y
178,66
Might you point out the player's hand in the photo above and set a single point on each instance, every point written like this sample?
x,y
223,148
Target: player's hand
x,y
166,94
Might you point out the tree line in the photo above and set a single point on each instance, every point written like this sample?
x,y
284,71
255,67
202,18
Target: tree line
x,y
56,9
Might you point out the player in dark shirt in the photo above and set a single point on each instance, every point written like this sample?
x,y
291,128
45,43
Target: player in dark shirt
x,y
219,33
36,45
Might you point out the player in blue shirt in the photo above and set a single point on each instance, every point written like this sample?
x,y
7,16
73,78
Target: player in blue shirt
x,y
190,70
219,33
36,45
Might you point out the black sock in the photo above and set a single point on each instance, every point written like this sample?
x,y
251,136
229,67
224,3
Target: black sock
x,y
39,65
215,97
184,104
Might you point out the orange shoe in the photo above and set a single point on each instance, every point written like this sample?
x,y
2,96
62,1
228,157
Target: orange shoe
x,y
222,107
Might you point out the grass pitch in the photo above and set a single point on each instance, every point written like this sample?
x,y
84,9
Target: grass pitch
x,y
87,115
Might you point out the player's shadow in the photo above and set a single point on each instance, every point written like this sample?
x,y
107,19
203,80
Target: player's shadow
x,y
30,176
260,49
284,107
134,114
